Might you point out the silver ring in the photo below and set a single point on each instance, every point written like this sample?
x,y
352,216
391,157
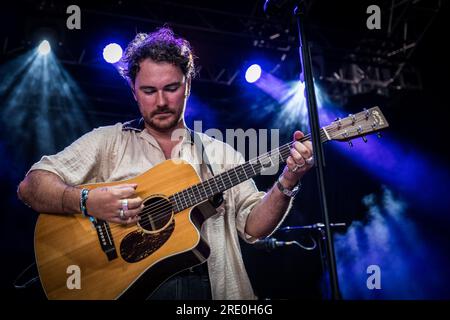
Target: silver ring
x,y
310,160
297,166
125,204
122,214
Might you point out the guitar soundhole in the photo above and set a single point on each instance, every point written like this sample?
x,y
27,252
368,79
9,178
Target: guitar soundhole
x,y
156,215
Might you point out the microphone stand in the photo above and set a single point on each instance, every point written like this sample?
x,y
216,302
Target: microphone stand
x,y
306,63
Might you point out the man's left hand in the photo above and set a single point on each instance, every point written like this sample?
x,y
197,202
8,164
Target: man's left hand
x,y
299,162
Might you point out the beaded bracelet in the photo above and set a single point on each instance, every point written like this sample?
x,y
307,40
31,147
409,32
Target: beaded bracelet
x,y
83,199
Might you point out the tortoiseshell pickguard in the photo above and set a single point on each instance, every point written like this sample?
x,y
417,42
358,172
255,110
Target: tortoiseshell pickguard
x,y
138,245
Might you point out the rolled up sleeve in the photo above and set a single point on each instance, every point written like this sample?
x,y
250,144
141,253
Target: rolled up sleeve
x,y
78,163
247,196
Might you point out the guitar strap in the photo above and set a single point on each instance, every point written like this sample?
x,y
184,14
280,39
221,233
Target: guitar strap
x,y
196,139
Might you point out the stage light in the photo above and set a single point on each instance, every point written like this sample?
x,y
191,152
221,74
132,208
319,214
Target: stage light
x,y
44,48
40,93
290,101
253,73
112,53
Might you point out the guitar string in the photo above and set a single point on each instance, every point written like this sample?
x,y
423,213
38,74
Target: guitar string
x,y
307,137
163,205
161,212
166,205
158,212
234,179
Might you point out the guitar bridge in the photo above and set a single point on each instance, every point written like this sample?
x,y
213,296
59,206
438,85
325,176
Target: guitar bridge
x,y
105,238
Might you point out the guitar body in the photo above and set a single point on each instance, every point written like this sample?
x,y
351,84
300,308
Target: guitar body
x,y
73,265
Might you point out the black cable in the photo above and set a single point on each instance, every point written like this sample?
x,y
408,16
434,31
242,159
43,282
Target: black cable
x,y
27,283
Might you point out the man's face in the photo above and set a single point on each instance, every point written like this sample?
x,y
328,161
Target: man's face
x,y
161,91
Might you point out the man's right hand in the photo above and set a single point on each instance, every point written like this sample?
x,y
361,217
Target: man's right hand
x,y
105,203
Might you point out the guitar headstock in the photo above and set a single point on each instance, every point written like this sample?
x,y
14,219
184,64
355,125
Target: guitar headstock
x,y
357,125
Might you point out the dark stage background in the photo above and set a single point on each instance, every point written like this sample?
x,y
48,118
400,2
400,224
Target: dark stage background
x,y
391,193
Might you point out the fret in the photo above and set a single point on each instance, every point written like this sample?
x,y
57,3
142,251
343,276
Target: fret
x,y
285,152
209,185
217,186
174,205
223,183
234,169
245,177
229,178
181,200
204,189
201,190
186,199
243,169
269,155
253,168
182,194
238,172
258,168
177,208
191,196
246,166
280,156
198,191
272,160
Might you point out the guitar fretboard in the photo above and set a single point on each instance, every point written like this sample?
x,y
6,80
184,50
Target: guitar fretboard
x,y
204,190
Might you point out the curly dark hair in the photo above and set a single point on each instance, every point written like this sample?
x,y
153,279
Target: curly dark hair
x,y
159,46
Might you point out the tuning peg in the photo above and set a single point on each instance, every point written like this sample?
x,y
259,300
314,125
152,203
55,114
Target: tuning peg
x,y
366,114
379,134
364,138
350,143
374,126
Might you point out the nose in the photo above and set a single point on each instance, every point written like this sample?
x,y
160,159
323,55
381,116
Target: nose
x,y
161,99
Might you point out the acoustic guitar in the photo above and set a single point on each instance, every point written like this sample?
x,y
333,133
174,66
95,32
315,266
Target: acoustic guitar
x,y
85,258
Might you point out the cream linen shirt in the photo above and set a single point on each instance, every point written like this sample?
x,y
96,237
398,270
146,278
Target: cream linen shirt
x,y
122,151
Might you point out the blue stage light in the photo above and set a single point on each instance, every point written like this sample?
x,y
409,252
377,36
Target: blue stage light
x,y
253,73
44,48
112,53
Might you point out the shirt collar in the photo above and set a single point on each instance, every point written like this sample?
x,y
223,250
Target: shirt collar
x,y
135,124
138,125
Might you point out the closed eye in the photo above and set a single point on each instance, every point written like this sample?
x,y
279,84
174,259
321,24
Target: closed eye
x,y
172,88
149,91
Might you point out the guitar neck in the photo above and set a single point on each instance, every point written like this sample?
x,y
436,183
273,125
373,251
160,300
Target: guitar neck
x,y
204,190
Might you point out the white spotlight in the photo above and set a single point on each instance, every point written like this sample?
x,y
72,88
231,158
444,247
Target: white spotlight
x,y
112,53
44,48
253,73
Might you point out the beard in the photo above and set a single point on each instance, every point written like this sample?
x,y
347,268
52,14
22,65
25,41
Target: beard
x,y
166,123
